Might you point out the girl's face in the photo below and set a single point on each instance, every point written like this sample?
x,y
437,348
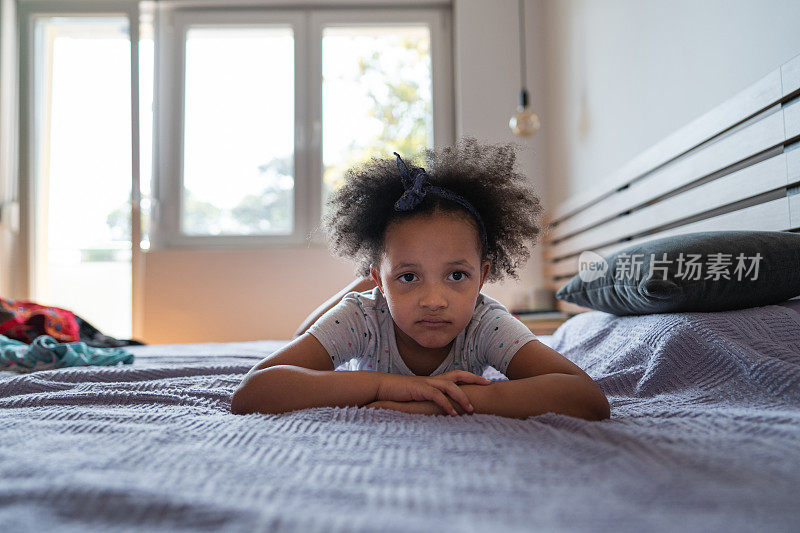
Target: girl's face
x,y
431,274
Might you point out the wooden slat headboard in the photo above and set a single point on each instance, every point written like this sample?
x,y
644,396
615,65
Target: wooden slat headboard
x,y
735,168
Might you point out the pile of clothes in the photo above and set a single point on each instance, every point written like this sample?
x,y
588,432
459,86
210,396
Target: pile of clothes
x,y
37,337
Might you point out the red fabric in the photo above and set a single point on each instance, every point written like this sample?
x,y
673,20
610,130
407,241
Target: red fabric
x,y
30,320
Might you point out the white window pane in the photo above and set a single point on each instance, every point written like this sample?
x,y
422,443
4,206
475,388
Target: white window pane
x,y
146,88
83,168
376,93
238,160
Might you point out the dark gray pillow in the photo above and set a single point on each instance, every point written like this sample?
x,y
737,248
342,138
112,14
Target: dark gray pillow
x,y
761,267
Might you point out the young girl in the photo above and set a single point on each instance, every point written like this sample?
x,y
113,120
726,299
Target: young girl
x,y
419,341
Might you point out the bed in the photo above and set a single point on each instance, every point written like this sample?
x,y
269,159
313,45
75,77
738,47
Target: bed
x,y
704,432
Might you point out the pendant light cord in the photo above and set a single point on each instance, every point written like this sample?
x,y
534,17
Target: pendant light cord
x,y
522,72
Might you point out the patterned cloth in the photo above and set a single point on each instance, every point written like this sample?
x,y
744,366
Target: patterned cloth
x,y
46,353
25,321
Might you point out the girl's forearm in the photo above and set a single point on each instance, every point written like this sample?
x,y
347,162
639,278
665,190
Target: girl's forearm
x,y
556,393
283,388
565,394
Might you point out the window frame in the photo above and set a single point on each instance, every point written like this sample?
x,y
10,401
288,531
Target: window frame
x,y
170,71
308,25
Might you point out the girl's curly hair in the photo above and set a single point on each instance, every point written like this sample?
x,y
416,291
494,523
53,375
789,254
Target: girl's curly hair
x,y
485,175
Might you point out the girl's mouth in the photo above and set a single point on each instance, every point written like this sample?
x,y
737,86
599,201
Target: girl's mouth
x,y
433,323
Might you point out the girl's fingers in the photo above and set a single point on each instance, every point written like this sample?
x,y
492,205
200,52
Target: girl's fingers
x,y
455,392
437,396
477,380
462,376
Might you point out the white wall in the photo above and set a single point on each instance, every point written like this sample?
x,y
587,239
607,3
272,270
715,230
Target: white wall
x,y
623,74
487,82
226,295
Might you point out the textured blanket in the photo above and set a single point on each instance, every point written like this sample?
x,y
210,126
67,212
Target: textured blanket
x,y
704,436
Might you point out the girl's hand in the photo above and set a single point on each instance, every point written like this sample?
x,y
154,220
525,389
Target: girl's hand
x,y
397,388
415,408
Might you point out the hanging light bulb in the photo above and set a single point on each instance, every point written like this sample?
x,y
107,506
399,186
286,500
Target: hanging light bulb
x,y
524,122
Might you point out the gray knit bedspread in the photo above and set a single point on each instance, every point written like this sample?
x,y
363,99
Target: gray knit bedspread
x,y
704,435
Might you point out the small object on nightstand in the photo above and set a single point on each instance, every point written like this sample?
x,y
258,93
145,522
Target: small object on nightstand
x,y
542,322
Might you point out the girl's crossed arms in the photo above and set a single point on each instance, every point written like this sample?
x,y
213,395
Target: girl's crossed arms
x,y
540,380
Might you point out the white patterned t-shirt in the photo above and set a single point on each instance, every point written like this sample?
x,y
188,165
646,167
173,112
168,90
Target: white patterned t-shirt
x,y
359,331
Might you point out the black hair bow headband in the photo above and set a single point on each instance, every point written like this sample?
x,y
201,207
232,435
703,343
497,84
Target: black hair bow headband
x,y
417,187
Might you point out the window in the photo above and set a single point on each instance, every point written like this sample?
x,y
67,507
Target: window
x,y
267,108
238,129
376,95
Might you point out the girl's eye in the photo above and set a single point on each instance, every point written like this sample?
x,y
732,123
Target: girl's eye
x,y
458,275
407,277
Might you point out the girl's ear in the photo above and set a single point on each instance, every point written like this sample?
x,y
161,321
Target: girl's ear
x,y
484,272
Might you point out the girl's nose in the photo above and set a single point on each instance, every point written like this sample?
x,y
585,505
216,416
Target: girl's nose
x,y
433,298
